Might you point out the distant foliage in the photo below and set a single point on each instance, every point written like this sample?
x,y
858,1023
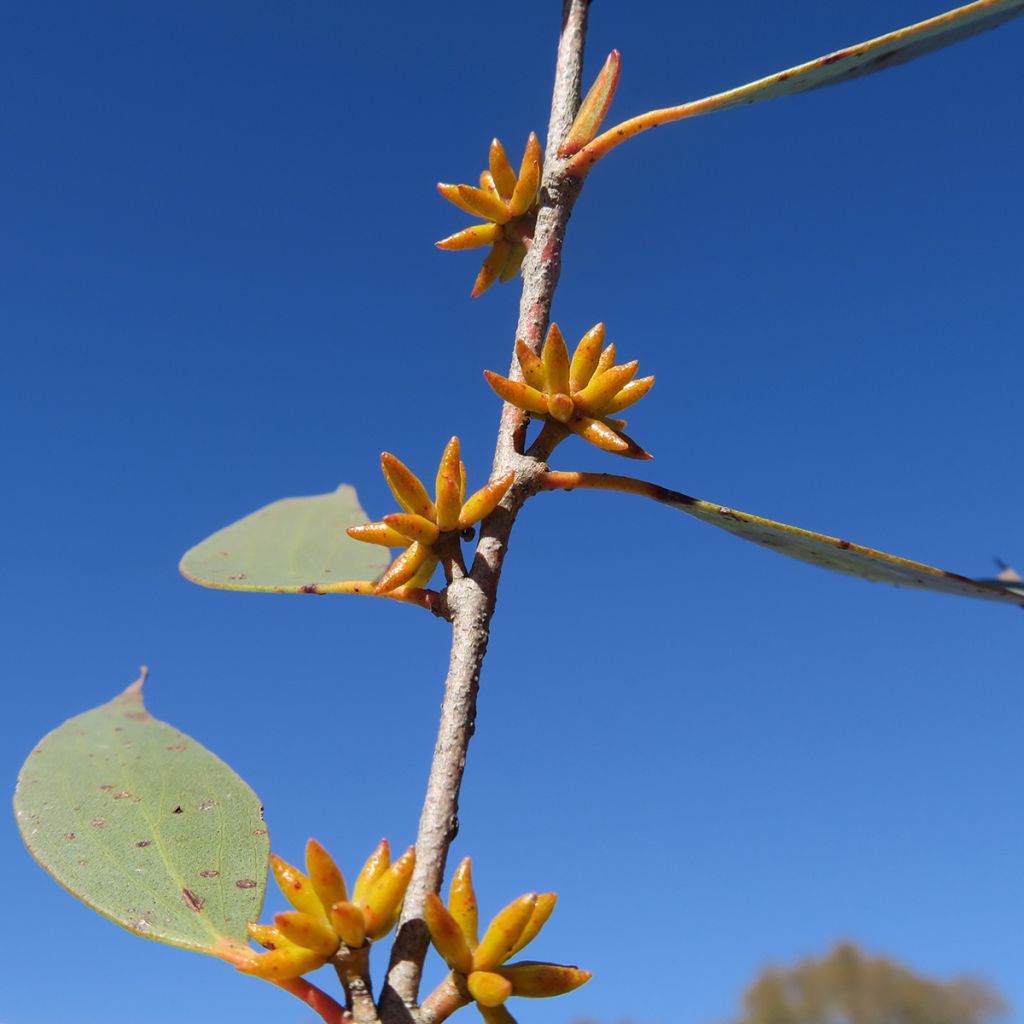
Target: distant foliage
x,y
849,987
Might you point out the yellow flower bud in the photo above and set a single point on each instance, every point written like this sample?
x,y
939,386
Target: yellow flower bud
x,y
349,923
385,894
584,359
501,171
555,357
538,981
297,889
462,901
487,988
407,488
327,881
541,912
447,936
376,864
471,238
307,931
283,964
503,933
528,182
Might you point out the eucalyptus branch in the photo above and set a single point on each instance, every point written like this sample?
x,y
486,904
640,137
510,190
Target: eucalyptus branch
x,y
471,599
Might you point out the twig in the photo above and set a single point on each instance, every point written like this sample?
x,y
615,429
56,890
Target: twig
x,y
470,601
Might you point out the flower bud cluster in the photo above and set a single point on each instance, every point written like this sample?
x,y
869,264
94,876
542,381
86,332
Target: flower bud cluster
x,y
325,919
424,525
578,395
479,965
507,202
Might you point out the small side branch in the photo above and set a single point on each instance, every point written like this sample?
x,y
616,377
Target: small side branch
x,y
331,1011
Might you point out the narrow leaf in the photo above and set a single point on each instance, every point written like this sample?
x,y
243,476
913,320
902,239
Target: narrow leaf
x,y
146,826
877,54
842,555
292,546
819,549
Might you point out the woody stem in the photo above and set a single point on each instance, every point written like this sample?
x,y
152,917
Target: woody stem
x,y
471,600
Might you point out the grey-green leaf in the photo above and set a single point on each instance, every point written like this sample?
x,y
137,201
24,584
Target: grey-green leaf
x,y
840,555
146,826
865,58
292,546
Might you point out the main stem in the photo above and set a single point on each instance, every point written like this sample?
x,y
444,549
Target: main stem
x,y
471,599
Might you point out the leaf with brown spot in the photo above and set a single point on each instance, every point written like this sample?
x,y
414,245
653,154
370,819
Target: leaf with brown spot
x,y
137,843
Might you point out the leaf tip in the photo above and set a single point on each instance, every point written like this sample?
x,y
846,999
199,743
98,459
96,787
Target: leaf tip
x,y
135,690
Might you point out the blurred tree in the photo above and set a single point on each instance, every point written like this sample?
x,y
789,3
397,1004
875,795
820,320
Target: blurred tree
x,y
848,987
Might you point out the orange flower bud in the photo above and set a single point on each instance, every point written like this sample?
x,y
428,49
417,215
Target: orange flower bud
x,y
488,989
561,407
556,361
631,393
376,864
501,171
327,881
424,573
528,182
518,394
378,533
448,500
349,923
404,568
607,360
462,901
462,482
538,981
412,527
487,184
603,387
283,964
483,502
492,267
598,434
513,262
297,889
541,912
531,365
447,935
584,359
503,933
386,894
406,486
267,935
471,238
477,202
307,931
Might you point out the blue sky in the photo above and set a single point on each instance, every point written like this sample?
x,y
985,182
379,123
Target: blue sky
x,y
218,288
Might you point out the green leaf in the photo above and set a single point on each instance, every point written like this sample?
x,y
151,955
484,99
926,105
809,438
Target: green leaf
x,y
851,62
865,58
840,555
873,55
292,546
146,826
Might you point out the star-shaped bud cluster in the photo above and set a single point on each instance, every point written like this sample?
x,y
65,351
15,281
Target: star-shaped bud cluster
x,y
325,918
578,395
424,526
507,202
479,965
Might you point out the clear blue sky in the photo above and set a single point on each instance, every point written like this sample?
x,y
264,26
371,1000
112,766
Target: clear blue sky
x,y
217,288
